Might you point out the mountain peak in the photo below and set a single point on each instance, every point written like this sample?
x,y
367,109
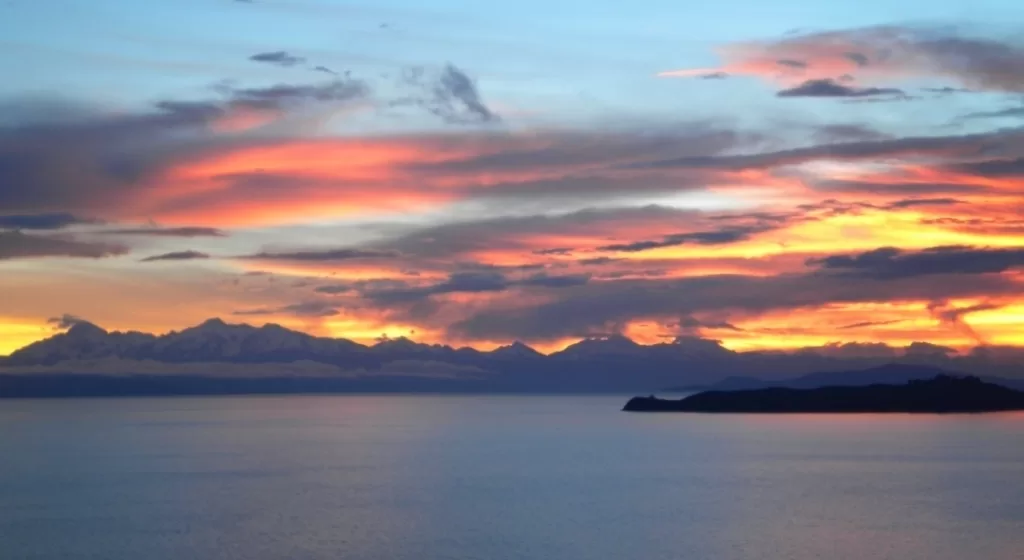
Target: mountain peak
x,y
213,323
517,348
84,329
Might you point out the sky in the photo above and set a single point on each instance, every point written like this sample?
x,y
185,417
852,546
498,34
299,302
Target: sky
x,y
775,177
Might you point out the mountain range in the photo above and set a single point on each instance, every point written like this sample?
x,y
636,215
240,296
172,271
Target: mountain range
x,y
216,357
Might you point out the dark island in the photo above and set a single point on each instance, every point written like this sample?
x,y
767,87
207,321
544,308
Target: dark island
x,y
941,394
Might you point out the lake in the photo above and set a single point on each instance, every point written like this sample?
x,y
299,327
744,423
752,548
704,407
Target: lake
x,y
499,478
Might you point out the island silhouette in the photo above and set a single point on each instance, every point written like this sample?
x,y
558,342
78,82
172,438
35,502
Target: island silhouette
x,y
941,394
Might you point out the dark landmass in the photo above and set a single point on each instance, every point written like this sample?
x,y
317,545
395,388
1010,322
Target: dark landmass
x,y
888,374
942,394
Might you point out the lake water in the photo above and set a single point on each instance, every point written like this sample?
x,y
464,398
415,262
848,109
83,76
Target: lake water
x,y
499,478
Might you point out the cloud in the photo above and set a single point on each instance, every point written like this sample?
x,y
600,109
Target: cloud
x,y
790,63
892,263
279,58
917,202
450,94
830,88
1010,112
169,232
326,255
717,237
847,132
55,220
283,95
690,325
18,245
714,76
596,305
886,53
954,317
177,256
65,321
857,58
325,70
554,251
334,289
866,324
474,282
563,281
302,309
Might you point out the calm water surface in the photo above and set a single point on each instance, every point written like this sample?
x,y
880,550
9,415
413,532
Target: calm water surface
x,y
496,478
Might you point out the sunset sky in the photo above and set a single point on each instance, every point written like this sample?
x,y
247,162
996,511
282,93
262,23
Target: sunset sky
x,y
773,176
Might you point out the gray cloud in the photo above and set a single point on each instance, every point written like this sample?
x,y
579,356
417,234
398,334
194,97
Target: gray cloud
x,y
563,281
449,93
866,324
714,76
302,309
177,256
325,255
334,289
18,245
860,59
846,132
279,58
65,321
475,282
790,63
892,263
717,237
1011,112
831,88
53,220
915,202
169,232
596,305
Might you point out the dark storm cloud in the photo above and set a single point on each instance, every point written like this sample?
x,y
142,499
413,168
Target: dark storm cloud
x,y
279,58
56,220
326,255
177,256
18,245
831,88
169,232
891,263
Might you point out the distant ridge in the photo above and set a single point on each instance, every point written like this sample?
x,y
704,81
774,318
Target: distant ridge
x,y
216,357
